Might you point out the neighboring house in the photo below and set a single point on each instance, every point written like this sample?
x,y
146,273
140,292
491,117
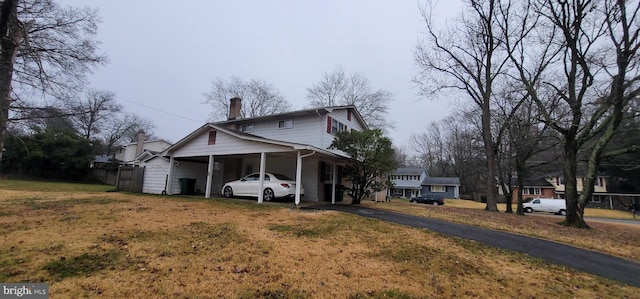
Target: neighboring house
x,y
534,188
552,186
136,152
407,182
413,181
293,143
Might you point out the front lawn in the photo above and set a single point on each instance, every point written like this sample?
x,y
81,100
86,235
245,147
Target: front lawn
x,y
89,243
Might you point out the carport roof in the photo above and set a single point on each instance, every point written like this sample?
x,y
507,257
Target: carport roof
x,y
250,137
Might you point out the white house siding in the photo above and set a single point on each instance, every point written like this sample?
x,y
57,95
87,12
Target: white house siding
x,y
310,178
155,174
225,145
306,130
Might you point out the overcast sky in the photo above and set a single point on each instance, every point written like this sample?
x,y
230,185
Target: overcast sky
x,y
165,54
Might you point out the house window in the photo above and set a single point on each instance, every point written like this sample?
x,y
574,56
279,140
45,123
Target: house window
x,y
212,137
531,191
285,124
334,126
328,173
536,191
248,128
349,115
436,188
596,198
600,182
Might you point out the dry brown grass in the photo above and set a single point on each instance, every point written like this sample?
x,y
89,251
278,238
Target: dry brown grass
x,y
114,245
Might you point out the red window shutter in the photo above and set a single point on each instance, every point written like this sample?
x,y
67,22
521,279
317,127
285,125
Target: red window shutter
x,y
329,124
349,115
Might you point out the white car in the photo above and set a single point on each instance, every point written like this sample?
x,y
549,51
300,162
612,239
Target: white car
x,y
275,186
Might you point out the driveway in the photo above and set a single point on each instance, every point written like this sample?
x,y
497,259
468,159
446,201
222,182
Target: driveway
x,y
596,263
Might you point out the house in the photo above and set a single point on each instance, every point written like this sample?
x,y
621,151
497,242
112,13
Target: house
x,y
413,181
407,182
135,152
295,144
533,188
552,186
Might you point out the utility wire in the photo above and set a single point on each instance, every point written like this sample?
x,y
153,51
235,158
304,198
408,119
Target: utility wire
x,y
161,111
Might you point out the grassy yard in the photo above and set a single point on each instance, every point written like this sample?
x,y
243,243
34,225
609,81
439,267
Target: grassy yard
x,y
86,242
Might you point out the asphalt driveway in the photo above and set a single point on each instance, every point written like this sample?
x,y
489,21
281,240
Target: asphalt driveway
x,y
596,263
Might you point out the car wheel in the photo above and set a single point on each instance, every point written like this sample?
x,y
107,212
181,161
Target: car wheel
x,y
528,210
228,192
563,213
268,195
435,203
412,200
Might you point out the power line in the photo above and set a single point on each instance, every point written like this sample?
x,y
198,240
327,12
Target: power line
x,y
161,111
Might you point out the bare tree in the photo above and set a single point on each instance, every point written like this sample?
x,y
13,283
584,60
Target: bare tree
x,y
124,128
456,152
44,48
92,113
338,88
259,98
467,58
585,94
433,149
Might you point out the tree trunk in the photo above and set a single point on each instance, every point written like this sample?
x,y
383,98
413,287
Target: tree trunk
x,y
491,160
520,208
11,36
575,211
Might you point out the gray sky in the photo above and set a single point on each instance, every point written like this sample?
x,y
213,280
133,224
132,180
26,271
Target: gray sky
x,y
165,54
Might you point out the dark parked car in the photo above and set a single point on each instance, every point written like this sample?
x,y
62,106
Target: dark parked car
x,y
429,199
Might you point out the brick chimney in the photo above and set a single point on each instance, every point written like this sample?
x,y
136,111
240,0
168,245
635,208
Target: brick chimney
x,y
140,143
235,106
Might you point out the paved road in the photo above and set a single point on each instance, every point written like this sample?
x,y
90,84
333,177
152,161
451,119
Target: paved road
x,y
599,264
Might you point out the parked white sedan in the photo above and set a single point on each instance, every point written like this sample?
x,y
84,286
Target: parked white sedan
x,y
275,186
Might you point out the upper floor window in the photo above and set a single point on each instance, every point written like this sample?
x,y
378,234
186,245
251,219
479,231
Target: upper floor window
x,y
285,124
247,128
334,126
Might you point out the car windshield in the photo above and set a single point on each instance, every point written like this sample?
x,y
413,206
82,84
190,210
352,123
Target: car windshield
x,y
282,177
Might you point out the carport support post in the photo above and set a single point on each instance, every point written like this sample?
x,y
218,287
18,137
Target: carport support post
x,y
172,166
333,183
207,192
298,178
263,158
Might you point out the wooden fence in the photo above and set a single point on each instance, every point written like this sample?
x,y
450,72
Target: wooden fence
x,y
130,178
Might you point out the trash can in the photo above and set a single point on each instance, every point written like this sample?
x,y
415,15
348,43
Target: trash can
x,y
187,186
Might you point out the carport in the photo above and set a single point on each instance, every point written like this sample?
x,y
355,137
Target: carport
x,y
215,155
